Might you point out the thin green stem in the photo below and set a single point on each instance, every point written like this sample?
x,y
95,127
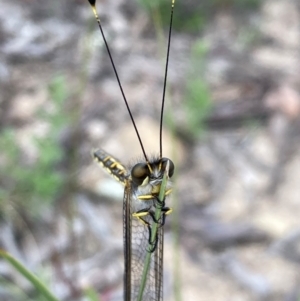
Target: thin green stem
x,y
28,275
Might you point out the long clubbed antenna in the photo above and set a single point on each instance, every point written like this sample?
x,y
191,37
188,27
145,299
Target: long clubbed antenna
x,y
165,81
93,5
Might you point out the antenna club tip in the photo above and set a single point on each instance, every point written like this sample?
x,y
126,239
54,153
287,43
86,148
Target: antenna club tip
x,y
92,2
95,12
93,5
173,3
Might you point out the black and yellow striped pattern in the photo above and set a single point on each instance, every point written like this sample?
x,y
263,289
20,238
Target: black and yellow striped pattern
x,y
111,165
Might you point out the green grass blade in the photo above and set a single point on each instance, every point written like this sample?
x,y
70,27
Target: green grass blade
x,y
29,276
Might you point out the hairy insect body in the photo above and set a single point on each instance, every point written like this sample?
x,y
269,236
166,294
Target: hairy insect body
x,y
142,185
143,196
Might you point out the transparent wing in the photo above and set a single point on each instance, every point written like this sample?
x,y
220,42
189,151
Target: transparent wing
x,y
136,242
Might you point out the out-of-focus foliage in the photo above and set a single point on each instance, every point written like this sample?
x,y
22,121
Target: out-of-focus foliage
x,y
192,16
197,99
31,185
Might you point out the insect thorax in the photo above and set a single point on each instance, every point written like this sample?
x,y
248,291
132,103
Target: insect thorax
x,y
146,194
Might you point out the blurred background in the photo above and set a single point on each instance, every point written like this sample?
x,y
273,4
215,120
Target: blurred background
x,y
232,128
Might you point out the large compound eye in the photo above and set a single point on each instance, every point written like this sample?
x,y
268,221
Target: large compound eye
x,y
139,172
171,166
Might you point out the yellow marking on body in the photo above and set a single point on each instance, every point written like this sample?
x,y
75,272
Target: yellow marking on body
x,y
139,214
145,197
141,220
168,191
97,159
156,189
169,211
118,179
106,158
145,182
117,165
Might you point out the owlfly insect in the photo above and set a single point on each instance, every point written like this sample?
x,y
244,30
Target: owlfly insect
x,y
144,211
